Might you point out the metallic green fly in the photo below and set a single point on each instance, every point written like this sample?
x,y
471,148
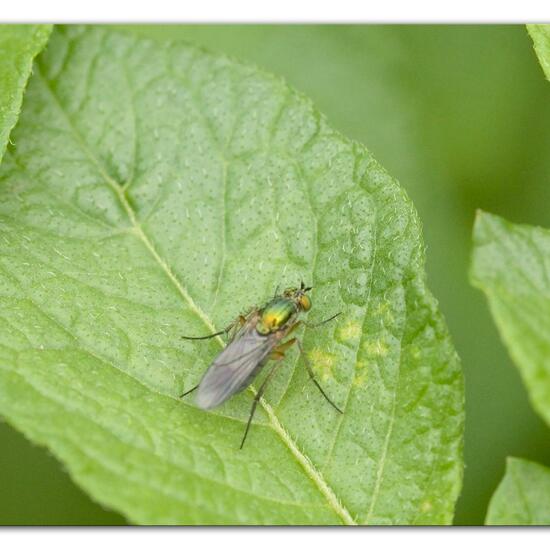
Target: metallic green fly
x,y
254,339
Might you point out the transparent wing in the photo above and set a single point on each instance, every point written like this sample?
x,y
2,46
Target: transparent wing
x,y
234,368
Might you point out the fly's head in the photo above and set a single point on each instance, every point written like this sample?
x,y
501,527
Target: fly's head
x,y
299,296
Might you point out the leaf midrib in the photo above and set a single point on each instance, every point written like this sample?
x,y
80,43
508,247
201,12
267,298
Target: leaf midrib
x,y
309,468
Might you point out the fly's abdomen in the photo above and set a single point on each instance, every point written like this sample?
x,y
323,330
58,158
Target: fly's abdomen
x,y
275,315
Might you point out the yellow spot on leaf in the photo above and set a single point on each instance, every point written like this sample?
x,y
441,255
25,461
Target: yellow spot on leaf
x,y
350,331
383,310
376,348
361,372
322,362
360,380
426,506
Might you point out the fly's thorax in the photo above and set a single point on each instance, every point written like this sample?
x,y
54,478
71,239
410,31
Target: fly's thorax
x,y
275,315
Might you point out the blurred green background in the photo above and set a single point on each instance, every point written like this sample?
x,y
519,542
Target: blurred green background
x,y
461,116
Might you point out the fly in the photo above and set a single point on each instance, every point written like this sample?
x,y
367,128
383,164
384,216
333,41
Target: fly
x,y
254,339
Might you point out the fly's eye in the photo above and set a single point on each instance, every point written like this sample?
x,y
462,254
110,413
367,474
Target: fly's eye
x,y
305,302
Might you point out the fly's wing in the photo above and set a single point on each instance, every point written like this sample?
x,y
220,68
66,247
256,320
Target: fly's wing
x,y
233,368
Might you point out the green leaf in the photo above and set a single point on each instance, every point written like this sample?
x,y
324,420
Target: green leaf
x,y
19,44
511,265
157,190
540,35
523,496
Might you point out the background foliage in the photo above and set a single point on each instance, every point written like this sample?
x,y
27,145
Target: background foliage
x,y
460,115
510,263
18,44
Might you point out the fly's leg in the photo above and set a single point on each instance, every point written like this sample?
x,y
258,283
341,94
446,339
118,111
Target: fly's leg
x,y
236,324
189,391
315,325
279,352
277,356
239,322
234,327
208,336
312,376
292,341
